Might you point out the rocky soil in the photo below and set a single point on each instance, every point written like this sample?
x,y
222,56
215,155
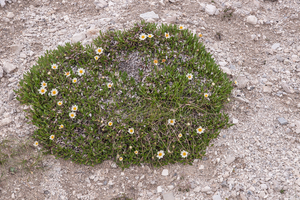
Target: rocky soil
x,y
256,42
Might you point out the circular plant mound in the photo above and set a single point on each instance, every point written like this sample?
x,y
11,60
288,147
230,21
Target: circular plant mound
x,y
146,95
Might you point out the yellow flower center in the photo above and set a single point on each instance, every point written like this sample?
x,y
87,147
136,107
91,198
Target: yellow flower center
x,y
200,35
181,27
81,71
110,124
155,61
163,60
44,84
143,36
184,154
42,90
159,154
190,76
72,115
199,129
150,36
171,121
99,50
74,80
54,92
36,143
131,130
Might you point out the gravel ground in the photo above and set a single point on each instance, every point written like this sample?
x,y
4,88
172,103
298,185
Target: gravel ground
x,y
258,45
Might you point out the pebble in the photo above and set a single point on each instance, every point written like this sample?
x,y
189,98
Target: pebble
x,y
251,19
92,32
201,167
149,15
168,196
263,186
2,3
16,49
217,197
77,37
226,70
279,58
275,46
235,121
197,189
206,189
159,189
242,82
100,4
210,9
1,72
282,121
230,159
286,88
11,95
267,89
8,67
171,20
165,172
242,196
10,15
5,121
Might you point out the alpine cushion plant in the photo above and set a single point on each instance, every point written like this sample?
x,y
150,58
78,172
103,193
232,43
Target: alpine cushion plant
x,y
146,95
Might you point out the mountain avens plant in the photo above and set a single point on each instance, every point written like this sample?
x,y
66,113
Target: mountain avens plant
x,y
146,95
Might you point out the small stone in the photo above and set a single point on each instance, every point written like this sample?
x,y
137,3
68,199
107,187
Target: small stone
x,y
267,89
286,88
226,70
217,197
224,184
201,167
78,37
168,196
262,194
165,172
282,121
10,15
279,58
5,122
113,165
297,130
170,187
2,3
171,20
242,82
159,189
11,95
100,4
149,15
275,46
23,55
197,189
251,19
1,72
230,159
242,196
206,189
263,186
8,67
202,6
235,121
92,32
16,49
210,9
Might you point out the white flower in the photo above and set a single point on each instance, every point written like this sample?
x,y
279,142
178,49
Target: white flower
x,y
171,121
74,108
59,103
67,74
61,126
136,152
121,159
110,123
143,36
181,27
200,130
99,50
213,84
235,82
167,35
42,90
131,130
51,137
160,154
179,135
189,76
228,99
36,143
54,66
44,84
54,92
74,80
109,85
184,154
150,36
72,114
96,57
80,71
205,95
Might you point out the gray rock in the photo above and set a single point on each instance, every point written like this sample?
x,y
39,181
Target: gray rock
x,y
8,67
282,121
242,82
78,37
2,3
159,189
237,4
251,19
217,197
2,111
1,72
10,15
168,196
235,121
224,184
242,196
210,9
275,46
263,186
230,159
16,48
92,32
100,4
226,70
171,20
279,58
165,172
113,165
206,189
202,6
197,189
149,15
267,89
5,122
11,95
286,88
